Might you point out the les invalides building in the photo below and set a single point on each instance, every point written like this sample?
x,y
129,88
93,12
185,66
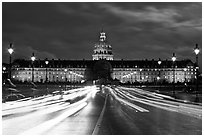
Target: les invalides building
x,y
103,66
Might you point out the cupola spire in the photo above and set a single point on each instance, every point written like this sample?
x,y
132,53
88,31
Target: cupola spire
x,y
102,37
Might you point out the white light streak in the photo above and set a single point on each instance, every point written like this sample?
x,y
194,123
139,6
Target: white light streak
x,y
49,124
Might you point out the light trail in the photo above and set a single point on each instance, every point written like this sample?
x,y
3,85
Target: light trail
x,y
44,106
49,124
128,103
45,99
48,106
192,110
51,106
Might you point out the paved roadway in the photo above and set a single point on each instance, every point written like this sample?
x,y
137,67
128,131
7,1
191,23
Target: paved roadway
x,y
113,110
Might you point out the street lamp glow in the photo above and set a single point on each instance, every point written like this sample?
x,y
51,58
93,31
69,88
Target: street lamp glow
x,y
4,68
65,70
196,50
159,61
185,69
33,57
173,57
46,62
10,50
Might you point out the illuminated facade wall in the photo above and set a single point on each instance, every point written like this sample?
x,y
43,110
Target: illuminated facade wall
x,y
124,71
154,74
53,74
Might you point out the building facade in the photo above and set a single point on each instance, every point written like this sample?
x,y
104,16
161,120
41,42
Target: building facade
x,y
123,70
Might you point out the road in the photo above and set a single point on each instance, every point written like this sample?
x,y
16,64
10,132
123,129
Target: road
x,y
110,111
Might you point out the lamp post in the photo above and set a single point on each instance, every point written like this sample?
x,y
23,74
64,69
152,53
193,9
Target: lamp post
x,y
173,59
196,50
159,62
185,69
46,63
185,84
65,71
10,50
140,77
33,59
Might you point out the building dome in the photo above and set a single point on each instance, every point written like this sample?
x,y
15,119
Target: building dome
x,y
102,50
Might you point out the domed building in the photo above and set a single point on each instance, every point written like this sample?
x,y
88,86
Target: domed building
x,y
102,50
103,66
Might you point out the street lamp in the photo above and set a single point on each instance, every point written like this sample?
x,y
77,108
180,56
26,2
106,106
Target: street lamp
x,y
10,50
140,78
46,62
33,59
65,71
185,69
185,84
196,50
159,62
173,59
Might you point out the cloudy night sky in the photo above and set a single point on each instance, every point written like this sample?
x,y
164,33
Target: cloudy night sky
x,y
70,30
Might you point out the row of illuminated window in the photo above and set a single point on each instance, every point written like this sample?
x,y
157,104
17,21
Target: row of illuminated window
x,y
102,45
52,67
51,80
145,69
48,77
48,73
103,52
154,73
153,78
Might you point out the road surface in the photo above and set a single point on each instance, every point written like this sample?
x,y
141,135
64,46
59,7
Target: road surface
x,y
110,111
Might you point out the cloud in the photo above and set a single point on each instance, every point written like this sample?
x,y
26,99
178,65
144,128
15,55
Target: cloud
x,y
167,17
147,14
28,50
196,24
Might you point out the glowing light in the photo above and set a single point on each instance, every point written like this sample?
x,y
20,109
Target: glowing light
x,y
49,124
33,58
4,68
82,81
10,50
159,61
196,50
173,57
46,62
